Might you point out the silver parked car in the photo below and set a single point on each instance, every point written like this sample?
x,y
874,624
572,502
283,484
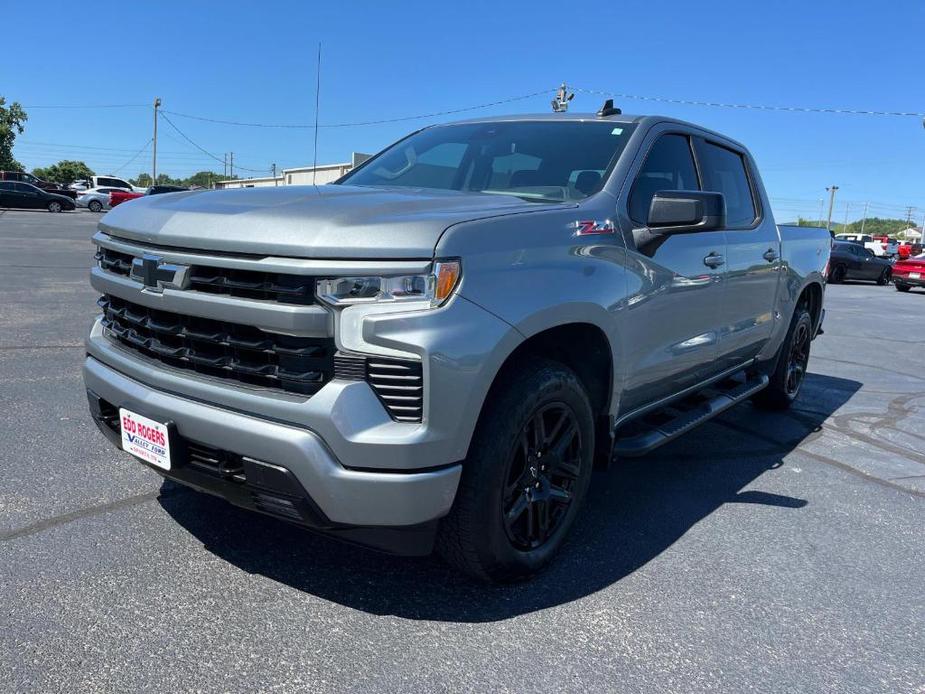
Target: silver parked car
x,y
434,350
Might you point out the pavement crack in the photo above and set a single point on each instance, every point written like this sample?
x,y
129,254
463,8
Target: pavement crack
x,y
11,348
86,512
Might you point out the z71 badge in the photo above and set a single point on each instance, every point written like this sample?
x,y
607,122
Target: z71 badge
x,y
592,226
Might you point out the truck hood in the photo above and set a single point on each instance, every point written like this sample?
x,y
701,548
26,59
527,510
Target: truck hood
x,y
331,221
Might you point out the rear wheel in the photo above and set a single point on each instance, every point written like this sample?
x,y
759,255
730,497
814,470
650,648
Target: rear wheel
x,y
95,206
54,206
837,276
790,369
527,472
900,287
885,277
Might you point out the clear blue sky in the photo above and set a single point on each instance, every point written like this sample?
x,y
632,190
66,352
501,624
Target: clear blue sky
x,y
255,61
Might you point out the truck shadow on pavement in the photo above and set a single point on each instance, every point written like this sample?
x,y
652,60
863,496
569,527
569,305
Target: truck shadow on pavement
x,y
635,510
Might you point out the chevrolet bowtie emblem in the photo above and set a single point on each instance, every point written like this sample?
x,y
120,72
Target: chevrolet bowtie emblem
x,y
155,274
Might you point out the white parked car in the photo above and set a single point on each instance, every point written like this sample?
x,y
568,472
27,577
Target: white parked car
x,y
105,181
95,199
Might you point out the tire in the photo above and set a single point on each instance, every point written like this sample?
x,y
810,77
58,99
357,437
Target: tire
x,y
790,367
95,206
885,277
496,530
838,274
900,287
54,206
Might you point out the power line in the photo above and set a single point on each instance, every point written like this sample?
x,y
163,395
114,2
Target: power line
x,y
89,106
103,151
137,154
755,107
204,151
359,123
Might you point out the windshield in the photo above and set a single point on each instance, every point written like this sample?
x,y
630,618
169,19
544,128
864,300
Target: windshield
x,y
535,160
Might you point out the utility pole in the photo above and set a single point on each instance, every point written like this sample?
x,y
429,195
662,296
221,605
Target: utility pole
x,y
225,165
831,190
909,215
231,164
845,228
864,218
275,182
821,209
157,103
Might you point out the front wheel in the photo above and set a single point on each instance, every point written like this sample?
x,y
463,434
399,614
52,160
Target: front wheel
x,y
95,206
885,277
792,361
54,206
527,472
838,274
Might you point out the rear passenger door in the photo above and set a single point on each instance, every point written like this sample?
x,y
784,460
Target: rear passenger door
x,y
675,283
753,252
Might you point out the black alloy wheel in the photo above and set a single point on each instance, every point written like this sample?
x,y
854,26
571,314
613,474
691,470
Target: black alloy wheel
x,y
798,359
542,470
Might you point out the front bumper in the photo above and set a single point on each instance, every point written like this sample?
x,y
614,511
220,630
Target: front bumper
x,y
911,281
288,471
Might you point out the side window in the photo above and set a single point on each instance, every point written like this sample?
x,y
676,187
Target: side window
x,y
669,166
724,172
6,185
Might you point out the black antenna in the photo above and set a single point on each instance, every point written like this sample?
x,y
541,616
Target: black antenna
x,y
317,101
608,109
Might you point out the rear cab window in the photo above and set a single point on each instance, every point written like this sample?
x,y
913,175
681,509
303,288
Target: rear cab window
x,y
724,171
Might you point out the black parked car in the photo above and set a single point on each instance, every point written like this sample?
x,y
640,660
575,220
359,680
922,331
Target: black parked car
x,y
27,196
851,261
157,190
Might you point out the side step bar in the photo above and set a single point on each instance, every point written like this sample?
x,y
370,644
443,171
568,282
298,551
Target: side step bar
x,y
660,427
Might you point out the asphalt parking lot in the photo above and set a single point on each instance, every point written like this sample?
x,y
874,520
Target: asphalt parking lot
x,y
762,552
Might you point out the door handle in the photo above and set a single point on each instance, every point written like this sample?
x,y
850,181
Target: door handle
x,y
714,260
770,255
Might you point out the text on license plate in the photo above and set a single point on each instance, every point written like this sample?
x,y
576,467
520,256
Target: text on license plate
x,y
145,438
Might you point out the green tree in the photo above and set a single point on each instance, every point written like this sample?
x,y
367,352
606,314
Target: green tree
x,y
203,179
64,172
878,226
11,125
167,180
142,180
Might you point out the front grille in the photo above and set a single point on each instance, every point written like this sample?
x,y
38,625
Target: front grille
x,y
245,284
113,261
399,383
225,350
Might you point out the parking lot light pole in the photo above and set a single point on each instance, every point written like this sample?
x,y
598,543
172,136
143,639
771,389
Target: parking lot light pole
x,y
831,190
157,103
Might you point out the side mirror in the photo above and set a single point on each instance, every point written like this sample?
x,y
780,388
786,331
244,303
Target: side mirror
x,y
686,211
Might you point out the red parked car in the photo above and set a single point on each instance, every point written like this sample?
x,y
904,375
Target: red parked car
x,y
120,196
909,273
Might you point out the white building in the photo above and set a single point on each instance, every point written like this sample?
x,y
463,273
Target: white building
x,y
299,176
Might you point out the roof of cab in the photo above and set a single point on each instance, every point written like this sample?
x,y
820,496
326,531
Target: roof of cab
x,y
646,120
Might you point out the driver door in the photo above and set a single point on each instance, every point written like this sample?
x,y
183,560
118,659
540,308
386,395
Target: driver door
x,y
675,283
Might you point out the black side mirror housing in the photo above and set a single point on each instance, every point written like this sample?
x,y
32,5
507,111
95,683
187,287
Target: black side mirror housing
x,y
686,211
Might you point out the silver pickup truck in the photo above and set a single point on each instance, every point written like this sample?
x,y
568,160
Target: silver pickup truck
x,y
435,350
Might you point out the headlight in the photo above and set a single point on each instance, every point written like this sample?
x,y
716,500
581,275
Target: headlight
x,y
409,291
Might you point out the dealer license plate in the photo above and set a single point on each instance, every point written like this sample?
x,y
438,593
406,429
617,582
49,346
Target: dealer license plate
x,y
915,275
145,438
